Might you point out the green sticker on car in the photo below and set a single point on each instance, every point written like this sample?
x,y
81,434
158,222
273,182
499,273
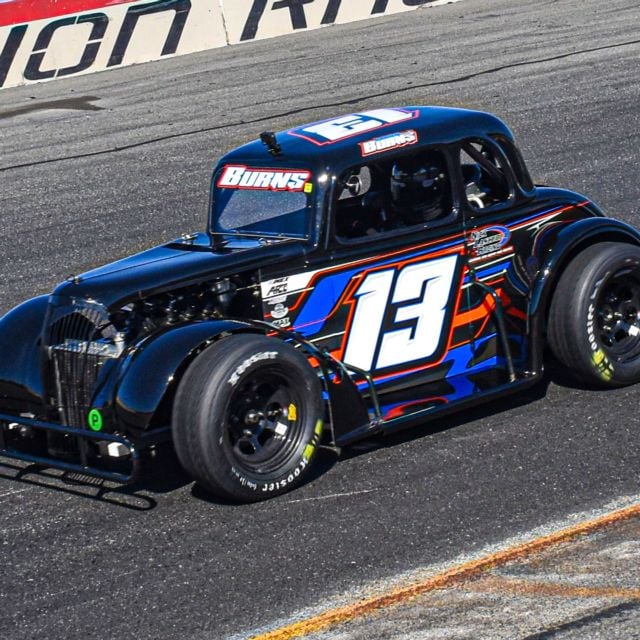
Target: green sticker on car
x,y
95,420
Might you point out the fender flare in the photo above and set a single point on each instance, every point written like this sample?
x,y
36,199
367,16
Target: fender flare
x,y
567,243
145,383
20,356
152,371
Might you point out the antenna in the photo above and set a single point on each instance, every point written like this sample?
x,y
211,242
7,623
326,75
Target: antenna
x,y
268,138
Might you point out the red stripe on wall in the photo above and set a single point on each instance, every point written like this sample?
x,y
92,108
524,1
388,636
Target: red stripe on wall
x,y
21,11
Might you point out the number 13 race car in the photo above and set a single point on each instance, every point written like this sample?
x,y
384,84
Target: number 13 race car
x,y
357,276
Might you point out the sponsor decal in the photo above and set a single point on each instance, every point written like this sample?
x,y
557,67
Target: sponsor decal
x,y
598,357
95,420
338,129
279,311
276,309
387,143
602,364
241,177
311,447
285,323
488,240
279,315
276,289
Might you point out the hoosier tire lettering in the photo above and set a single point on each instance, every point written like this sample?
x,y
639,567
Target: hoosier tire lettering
x,y
267,355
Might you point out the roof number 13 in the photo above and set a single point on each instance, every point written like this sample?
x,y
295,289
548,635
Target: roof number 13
x,y
341,128
420,293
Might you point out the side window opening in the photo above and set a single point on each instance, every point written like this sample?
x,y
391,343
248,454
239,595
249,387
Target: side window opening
x,y
354,216
355,183
517,162
485,175
410,191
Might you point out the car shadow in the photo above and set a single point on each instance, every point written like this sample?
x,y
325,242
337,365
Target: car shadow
x,y
451,421
161,472
326,458
555,373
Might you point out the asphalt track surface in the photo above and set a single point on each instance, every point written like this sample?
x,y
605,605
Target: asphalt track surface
x,y
94,168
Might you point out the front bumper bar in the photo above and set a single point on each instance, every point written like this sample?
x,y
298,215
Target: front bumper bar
x,y
83,437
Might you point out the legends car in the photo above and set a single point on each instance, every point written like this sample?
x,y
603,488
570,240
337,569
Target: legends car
x,y
357,276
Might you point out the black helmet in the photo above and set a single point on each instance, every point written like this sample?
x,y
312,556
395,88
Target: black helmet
x,y
419,188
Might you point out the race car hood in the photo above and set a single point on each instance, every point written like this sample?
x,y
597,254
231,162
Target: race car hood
x,y
175,264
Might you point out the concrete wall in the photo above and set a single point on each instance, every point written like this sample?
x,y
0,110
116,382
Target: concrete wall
x,y
45,39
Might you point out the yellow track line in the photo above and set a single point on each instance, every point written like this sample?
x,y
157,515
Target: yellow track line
x,y
457,574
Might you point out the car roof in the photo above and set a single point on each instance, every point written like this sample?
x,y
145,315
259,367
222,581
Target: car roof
x,y
338,142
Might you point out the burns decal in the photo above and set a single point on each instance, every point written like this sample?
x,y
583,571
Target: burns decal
x,y
388,143
242,177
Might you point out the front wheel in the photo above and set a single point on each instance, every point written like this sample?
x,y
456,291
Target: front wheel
x,y
594,319
247,418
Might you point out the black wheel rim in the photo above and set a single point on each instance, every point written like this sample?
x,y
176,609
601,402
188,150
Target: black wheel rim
x,y
263,421
618,316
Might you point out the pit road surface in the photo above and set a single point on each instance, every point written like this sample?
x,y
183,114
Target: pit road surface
x,y
94,168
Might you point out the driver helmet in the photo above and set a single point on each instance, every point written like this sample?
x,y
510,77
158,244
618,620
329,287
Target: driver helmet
x,y
419,188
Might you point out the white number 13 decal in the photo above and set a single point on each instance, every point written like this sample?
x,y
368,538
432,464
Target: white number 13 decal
x,y
425,287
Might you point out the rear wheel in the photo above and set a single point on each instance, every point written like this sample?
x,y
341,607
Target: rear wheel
x,y
248,418
594,319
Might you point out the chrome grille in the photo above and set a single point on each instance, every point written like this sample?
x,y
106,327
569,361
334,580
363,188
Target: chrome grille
x,y
77,349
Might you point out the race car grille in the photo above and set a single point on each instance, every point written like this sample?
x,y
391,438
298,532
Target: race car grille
x,y
77,350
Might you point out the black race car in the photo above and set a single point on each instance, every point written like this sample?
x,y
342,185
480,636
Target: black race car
x,y
358,275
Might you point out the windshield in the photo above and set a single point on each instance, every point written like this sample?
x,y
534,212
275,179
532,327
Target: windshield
x,y
265,202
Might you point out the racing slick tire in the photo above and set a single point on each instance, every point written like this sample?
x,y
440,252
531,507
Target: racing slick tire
x,y
247,418
594,318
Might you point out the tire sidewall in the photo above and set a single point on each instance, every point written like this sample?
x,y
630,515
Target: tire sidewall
x,y
594,354
237,367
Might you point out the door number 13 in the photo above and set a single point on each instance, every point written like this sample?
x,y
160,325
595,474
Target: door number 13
x,y
421,292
